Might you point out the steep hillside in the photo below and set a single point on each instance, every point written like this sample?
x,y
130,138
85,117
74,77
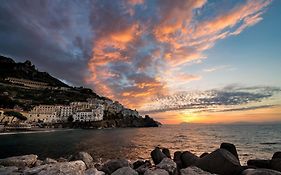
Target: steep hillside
x,y
9,68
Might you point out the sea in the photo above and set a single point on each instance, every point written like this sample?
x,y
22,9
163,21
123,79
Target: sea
x,y
251,140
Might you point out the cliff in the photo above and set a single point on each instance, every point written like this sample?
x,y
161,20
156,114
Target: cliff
x,y
17,96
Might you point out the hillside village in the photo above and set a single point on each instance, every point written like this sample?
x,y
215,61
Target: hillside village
x,y
51,102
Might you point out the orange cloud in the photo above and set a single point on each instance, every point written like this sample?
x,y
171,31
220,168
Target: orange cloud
x,y
134,60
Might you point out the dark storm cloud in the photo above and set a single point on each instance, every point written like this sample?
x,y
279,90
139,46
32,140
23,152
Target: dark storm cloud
x,y
230,98
54,35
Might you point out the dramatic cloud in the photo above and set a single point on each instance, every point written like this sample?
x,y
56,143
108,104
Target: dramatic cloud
x,y
55,35
232,98
140,46
129,50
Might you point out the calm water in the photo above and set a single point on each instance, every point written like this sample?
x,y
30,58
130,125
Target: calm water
x,y
252,141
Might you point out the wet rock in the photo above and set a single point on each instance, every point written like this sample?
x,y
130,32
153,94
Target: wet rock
x,y
277,155
85,157
8,170
125,171
138,163
192,170
275,164
112,165
177,159
93,171
231,148
141,169
221,162
260,172
204,154
19,161
188,159
49,161
157,156
258,163
156,172
166,151
168,164
70,168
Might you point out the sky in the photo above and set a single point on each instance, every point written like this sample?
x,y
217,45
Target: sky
x,y
201,61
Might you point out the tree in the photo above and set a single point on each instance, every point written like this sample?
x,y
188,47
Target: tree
x,y
15,114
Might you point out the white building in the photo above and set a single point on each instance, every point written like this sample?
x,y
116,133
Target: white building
x,y
89,115
65,112
44,113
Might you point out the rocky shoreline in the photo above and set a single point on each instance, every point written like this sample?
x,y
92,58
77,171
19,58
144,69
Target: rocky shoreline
x,y
222,161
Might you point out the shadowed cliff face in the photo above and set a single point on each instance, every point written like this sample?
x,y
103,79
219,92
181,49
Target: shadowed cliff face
x,y
9,68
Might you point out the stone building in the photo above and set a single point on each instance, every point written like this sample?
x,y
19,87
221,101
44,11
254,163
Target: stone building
x,y
95,114
44,113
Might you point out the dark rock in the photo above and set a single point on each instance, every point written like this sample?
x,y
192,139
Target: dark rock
x,y
221,162
275,164
188,159
85,157
166,151
49,161
204,154
19,161
157,156
259,163
231,148
143,168
156,172
168,165
192,170
138,163
125,171
277,155
112,165
260,172
93,171
177,159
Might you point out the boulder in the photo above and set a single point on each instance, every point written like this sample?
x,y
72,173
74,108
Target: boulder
x,y
70,168
19,161
157,156
49,161
193,170
156,172
8,170
112,165
277,155
260,172
204,154
231,148
93,171
221,162
125,171
138,163
188,159
258,163
61,159
85,157
177,159
38,162
166,151
141,169
168,165
275,164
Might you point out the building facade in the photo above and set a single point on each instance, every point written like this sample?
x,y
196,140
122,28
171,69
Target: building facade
x,y
89,115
